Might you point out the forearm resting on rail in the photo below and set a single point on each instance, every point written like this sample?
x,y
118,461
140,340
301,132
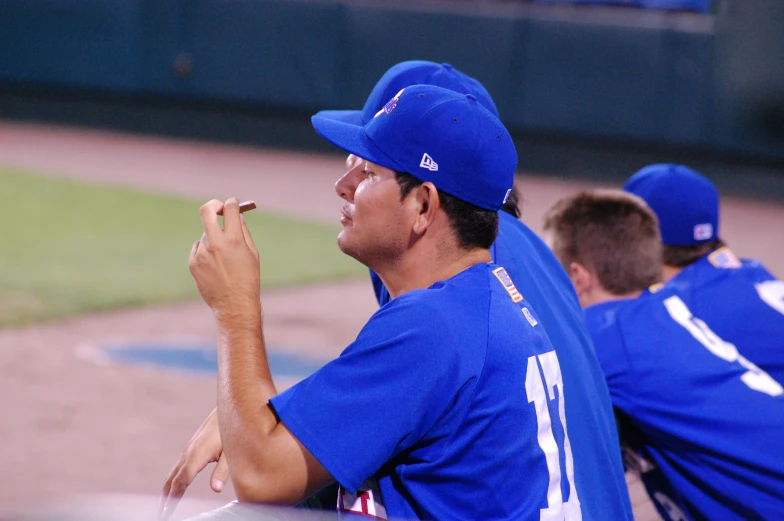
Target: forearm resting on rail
x,y
267,463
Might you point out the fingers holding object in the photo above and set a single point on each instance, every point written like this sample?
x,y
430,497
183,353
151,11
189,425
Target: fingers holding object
x,y
231,217
231,223
209,219
244,207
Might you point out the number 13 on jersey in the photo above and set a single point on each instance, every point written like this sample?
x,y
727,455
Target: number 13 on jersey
x,y
540,389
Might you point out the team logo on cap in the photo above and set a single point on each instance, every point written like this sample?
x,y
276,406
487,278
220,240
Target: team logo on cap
x,y
703,232
390,106
427,162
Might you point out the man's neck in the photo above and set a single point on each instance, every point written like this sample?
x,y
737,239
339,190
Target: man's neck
x,y
419,270
600,295
669,272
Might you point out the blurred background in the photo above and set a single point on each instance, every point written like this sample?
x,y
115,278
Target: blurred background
x,y
118,118
589,87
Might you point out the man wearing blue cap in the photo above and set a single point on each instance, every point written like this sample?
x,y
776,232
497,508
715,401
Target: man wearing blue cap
x,y
529,262
739,299
451,403
705,418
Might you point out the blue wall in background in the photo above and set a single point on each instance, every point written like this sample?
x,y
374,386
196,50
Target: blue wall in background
x,y
597,74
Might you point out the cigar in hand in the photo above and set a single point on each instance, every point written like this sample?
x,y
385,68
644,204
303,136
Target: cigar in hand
x,y
244,207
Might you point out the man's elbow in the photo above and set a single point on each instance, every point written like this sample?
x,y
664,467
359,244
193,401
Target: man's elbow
x,y
255,487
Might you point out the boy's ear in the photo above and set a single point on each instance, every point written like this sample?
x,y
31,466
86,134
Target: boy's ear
x,y
582,279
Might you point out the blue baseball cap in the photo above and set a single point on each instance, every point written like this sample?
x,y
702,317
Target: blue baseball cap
x,y
406,74
686,203
436,135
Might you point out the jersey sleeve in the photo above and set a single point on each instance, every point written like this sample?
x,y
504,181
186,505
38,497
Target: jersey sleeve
x,y
379,397
382,294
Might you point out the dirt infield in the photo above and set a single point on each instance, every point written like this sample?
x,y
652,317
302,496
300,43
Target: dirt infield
x,y
73,426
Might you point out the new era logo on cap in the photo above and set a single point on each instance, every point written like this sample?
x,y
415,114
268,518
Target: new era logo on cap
x,y
703,232
470,155
427,162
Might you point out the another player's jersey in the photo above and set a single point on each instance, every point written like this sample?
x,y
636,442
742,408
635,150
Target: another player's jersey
x,y
742,302
540,278
712,420
452,404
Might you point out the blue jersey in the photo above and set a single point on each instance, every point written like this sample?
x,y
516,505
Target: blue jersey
x,y
711,420
450,404
637,459
742,302
543,282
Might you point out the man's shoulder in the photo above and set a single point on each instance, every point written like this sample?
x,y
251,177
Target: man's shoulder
x,y
603,322
430,308
711,287
721,265
531,262
517,237
607,315
620,319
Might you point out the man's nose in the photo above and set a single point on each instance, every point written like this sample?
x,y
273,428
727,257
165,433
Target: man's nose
x,y
345,186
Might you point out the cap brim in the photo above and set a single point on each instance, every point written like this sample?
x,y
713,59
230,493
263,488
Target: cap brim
x,y
347,116
352,139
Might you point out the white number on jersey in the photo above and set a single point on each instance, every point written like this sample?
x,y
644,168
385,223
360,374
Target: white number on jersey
x,y
540,392
772,293
755,378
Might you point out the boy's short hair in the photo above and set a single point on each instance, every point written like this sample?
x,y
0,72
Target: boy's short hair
x,y
613,234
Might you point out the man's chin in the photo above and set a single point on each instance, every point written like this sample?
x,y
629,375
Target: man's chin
x,y
345,246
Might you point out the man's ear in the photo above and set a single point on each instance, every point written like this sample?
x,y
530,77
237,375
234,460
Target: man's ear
x,y
582,279
426,201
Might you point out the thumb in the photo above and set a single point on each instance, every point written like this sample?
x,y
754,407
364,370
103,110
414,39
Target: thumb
x,y
220,474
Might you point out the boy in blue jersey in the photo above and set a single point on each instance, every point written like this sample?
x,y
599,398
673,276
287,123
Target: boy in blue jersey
x,y
534,269
708,418
741,300
451,403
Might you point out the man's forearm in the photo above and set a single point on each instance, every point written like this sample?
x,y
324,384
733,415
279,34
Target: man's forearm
x,y
244,389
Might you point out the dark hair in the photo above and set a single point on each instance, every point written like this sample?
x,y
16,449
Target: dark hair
x,y
613,234
475,227
512,203
682,256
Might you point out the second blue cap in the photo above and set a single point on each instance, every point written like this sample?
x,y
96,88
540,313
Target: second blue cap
x,y
686,202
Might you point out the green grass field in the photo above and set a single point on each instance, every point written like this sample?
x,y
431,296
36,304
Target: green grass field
x,y
68,248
